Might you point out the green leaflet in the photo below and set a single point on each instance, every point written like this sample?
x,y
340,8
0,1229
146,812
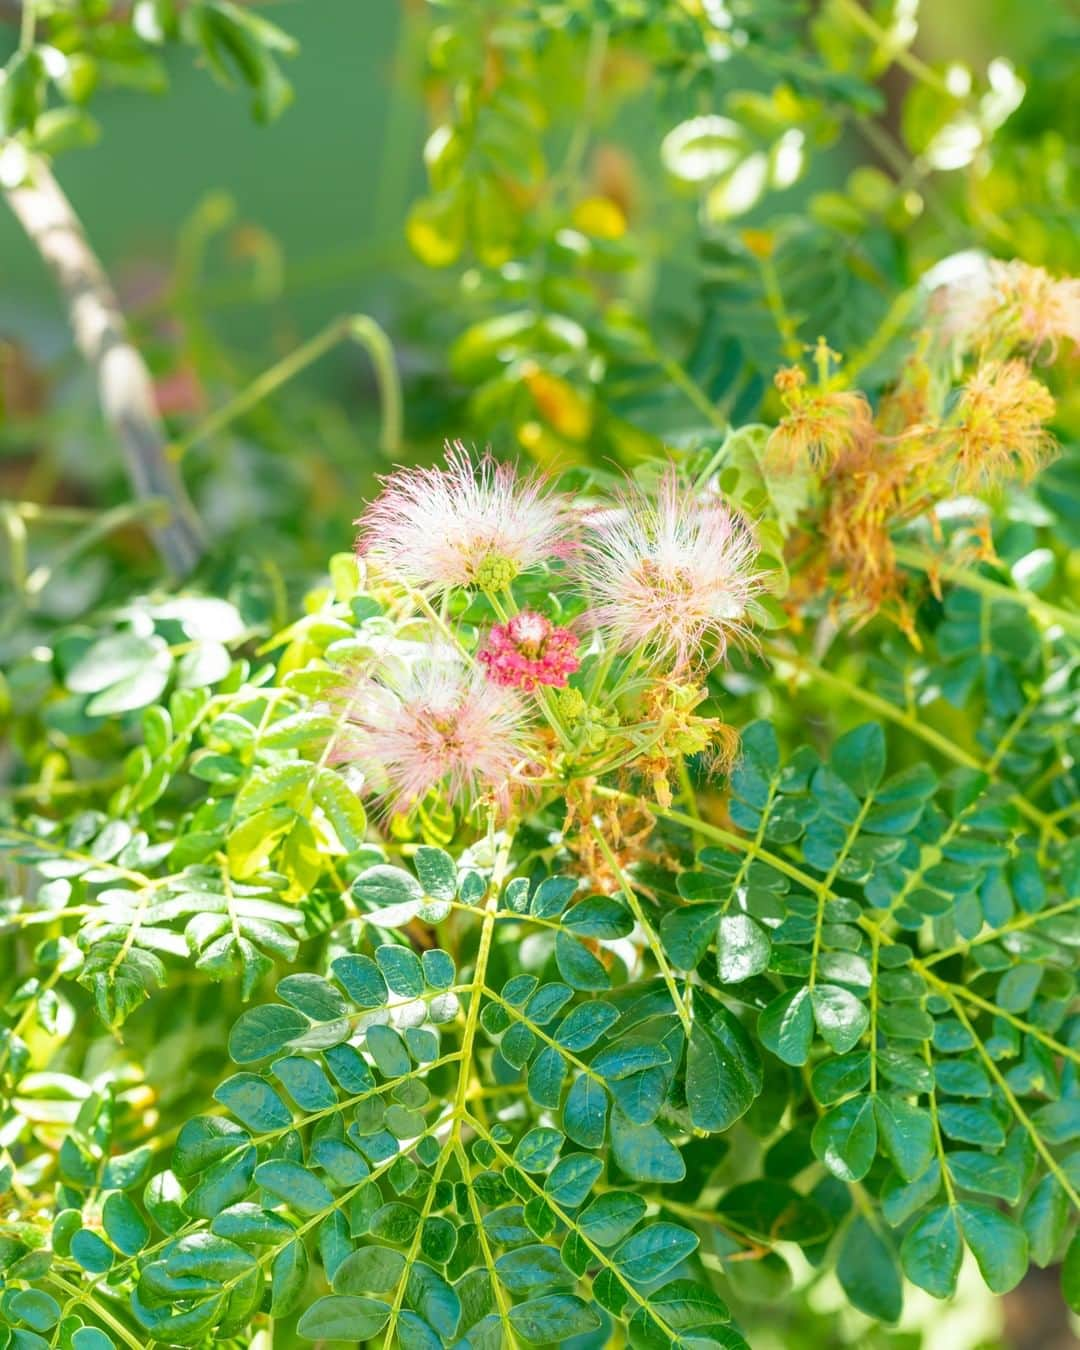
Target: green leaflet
x,y
343,1316
932,1250
869,1272
723,1068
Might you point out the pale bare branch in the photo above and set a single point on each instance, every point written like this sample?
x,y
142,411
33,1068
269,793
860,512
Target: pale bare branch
x,y
124,385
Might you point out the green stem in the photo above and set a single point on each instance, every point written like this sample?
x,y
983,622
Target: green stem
x,y
357,327
600,673
601,768
150,510
790,345
542,1035
681,377
890,326
633,663
915,67
425,1211
600,1257
939,1141
1018,923
487,930
26,839
485,1248
825,887
424,605
647,929
995,1010
923,560
86,1298
1052,1164
27,25
689,797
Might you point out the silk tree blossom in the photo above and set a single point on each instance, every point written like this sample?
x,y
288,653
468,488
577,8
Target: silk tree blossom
x,y
1042,311
1001,433
959,290
474,523
438,725
529,651
982,303
669,570
821,427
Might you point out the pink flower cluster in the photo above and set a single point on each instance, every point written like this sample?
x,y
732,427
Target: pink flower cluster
x,y
439,726
467,524
529,651
669,569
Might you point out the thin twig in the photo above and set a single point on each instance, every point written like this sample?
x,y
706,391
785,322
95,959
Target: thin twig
x,y
923,560
357,327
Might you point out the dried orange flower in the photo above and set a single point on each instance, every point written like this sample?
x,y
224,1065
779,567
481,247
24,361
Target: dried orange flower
x,y
1000,307
999,433
789,378
821,428
1038,310
626,827
681,732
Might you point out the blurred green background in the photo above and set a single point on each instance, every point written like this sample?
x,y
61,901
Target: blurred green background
x,y
232,243
329,181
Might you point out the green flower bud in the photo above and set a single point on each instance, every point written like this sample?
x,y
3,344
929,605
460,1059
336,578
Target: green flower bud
x,y
495,573
570,703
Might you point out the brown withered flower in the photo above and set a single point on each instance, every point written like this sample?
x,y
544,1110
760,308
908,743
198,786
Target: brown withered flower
x,y
821,427
1000,431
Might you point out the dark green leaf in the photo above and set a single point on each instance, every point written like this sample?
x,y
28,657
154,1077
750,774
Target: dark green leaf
x,y
553,1317
343,1317
841,1018
786,1026
932,1250
858,758
845,1138
723,1068
868,1272
998,1243
906,1133
648,1255
742,949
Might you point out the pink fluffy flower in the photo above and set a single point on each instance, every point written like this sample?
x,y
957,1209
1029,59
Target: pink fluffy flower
x,y
668,569
438,726
472,523
529,651
1044,310
986,304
